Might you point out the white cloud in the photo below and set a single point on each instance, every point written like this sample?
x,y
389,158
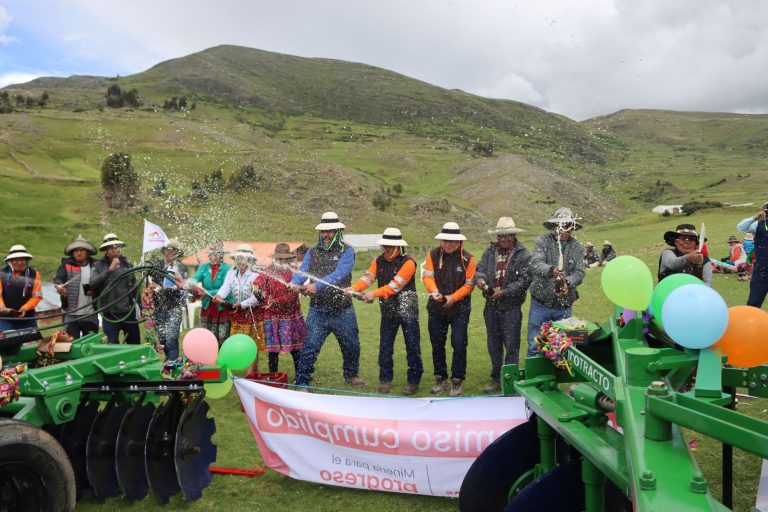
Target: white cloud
x,y
18,78
5,21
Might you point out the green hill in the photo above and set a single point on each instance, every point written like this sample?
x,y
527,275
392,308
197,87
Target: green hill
x,y
330,135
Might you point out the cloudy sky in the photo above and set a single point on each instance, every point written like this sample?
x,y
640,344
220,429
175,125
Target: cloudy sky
x,y
578,58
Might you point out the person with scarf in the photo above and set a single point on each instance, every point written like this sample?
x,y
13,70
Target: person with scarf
x,y
394,270
21,290
685,256
758,285
503,276
284,326
73,283
236,294
208,279
329,265
449,277
557,269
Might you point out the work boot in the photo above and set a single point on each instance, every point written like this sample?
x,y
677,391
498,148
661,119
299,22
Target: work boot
x,y
441,385
456,387
385,388
410,389
492,387
355,382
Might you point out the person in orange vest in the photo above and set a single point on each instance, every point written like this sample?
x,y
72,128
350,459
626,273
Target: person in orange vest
x,y
449,276
394,270
21,290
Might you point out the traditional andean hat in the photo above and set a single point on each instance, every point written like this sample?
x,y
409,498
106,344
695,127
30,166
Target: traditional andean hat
x,y
563,217
505,226
80,243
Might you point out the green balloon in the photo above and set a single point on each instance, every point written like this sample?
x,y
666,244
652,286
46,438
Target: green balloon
x,y
627,282
237,352
219,389
667,286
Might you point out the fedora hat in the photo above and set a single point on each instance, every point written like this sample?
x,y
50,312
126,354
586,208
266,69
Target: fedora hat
x,y
681,229
392,236
283,252
562,217
328,221
505,226
733,238
173,244
451,231
80,243
110,239
244,251
18,251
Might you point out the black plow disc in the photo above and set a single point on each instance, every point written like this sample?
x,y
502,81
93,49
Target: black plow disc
x,y
489,479
194,451
100,450
159,449
129,454
73,438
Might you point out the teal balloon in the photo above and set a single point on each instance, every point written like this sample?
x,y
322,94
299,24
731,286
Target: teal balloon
x,y
237,352
627,282
219,389
695,316
667,286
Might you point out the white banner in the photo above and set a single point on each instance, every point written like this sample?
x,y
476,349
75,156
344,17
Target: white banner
x,y
154,237
408,445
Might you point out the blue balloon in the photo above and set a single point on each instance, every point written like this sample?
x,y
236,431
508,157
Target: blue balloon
x,y
695,316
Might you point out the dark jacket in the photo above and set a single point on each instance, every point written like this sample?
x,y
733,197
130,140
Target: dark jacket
x,y
69,272
544,259
169,297
120,302
517,279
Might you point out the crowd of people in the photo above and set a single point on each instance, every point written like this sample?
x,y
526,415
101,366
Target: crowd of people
x,y
264,302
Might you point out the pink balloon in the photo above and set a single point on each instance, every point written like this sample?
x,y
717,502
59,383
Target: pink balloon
x,y
200,346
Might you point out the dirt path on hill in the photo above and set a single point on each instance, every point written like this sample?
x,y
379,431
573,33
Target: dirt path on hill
x,y
36,175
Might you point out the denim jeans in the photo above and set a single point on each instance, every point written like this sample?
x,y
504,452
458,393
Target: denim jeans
x,y
168,327
10,325
320,323
503,331
387,333
128,326
438,333
758,287
537,316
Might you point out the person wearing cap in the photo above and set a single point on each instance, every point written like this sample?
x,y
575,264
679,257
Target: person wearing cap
x,y
247,311
557,269
114,293
503,272
606,255
73,283
590,255
21,290
449,277
758,285
208,279
329,265
393,270
685,256
169,298
284,326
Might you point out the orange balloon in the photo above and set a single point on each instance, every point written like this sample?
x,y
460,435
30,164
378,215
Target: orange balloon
x,y
745,340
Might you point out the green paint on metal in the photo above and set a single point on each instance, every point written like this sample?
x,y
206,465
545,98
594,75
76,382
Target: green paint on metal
x,y
591,371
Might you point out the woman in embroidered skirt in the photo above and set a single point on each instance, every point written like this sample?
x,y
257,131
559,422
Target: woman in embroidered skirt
x,y
283,322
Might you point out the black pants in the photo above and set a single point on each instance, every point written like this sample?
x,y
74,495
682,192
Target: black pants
x,y
79,326
758,287
273,359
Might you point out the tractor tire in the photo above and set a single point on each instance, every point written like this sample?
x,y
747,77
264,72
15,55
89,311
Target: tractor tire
x,y
35,473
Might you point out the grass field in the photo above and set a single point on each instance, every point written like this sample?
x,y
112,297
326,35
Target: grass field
x,y
272,492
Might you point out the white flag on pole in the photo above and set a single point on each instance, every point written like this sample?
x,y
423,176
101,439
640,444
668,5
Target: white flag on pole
x,y
154,237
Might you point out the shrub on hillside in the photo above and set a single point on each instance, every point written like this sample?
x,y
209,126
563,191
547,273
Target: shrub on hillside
x,y
694,206
119,181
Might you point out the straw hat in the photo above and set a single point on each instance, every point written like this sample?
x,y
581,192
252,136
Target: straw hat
x,y
505,226
451,231
110,239
606,242
562,217
733,238
18,251
282,252
173,244
244,251
590,244
80,243
393,237
328,221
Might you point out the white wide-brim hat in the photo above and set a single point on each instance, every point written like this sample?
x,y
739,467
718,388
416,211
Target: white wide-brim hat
x,y
451,231
505,226
392,236
110,239
173,244
243,251
18,251
562,217
329,221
